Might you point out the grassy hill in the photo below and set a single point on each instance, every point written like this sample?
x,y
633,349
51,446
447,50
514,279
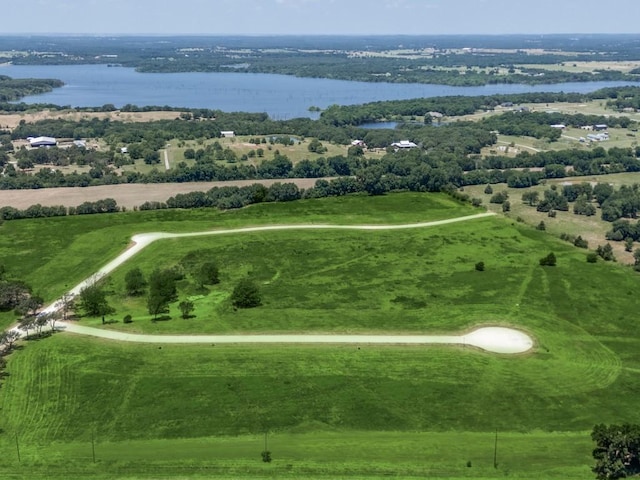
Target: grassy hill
x,y
351,411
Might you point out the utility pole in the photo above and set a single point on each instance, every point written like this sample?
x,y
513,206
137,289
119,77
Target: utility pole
x,y
93,445
18,448
495,451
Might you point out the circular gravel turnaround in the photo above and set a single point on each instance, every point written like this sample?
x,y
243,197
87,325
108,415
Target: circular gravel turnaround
x,y
499,340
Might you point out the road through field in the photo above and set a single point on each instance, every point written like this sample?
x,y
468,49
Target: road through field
x,y
492,339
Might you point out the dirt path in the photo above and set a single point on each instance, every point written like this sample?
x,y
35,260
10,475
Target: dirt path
x,y
491,339
142,240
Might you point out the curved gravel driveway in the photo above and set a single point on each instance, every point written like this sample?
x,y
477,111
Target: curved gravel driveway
x,y
491,339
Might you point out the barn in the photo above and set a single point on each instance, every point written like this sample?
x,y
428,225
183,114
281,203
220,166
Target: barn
x,y
43,142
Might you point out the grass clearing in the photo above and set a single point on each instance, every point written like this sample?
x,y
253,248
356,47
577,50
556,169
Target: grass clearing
x,y
350,411
54,254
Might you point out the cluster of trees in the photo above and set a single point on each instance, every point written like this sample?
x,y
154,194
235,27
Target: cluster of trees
x,y
625,97
107,205
161,289
595,161
623,229
617,451
624,202
614,204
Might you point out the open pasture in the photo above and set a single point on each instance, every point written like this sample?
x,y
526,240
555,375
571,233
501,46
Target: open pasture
x,y
350,411
54,254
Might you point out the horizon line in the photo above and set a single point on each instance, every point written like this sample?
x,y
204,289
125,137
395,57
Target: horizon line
x,y
355,35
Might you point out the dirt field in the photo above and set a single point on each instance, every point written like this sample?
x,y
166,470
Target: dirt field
x,y
127,195
12,120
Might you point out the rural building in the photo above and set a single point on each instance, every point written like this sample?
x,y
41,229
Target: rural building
x,y
80,143
228,134
600,127
404,144
42,141
506,104
560,126
598,137
435,115
359,143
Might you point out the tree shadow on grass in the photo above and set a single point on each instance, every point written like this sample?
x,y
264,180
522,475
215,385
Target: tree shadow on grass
x,y
161,318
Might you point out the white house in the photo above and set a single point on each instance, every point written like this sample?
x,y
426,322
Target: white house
x,y
404,144
228,134
43,142
560,126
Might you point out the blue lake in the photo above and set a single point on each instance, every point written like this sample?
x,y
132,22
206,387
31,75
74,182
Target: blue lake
x,y
281,96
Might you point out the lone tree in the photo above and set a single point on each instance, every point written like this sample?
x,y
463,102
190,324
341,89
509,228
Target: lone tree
x,y
246,294
549,260
135,282
186,307
208,274
8,338
162,291
93,301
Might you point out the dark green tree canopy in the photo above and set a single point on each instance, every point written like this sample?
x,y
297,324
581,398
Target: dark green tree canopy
x,y
246,294
617,451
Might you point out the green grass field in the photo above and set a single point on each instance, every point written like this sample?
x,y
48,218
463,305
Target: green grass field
x,y
55,254
351,411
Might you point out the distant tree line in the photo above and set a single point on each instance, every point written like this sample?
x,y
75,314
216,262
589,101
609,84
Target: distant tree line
x,y
107,205
14,88
459,105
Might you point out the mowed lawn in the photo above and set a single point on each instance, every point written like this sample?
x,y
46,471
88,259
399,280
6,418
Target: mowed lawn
x,y
355,411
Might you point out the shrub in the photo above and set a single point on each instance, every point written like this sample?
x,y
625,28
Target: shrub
x,y
246,294
541,226
580,242
499,198
606,252
488,190
592,257
127,319
548,261
480,266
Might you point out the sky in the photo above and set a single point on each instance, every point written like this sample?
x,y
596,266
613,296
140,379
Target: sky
x,y
322,17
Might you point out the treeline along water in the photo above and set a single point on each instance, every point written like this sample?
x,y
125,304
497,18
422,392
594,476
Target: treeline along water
x,y
282,97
